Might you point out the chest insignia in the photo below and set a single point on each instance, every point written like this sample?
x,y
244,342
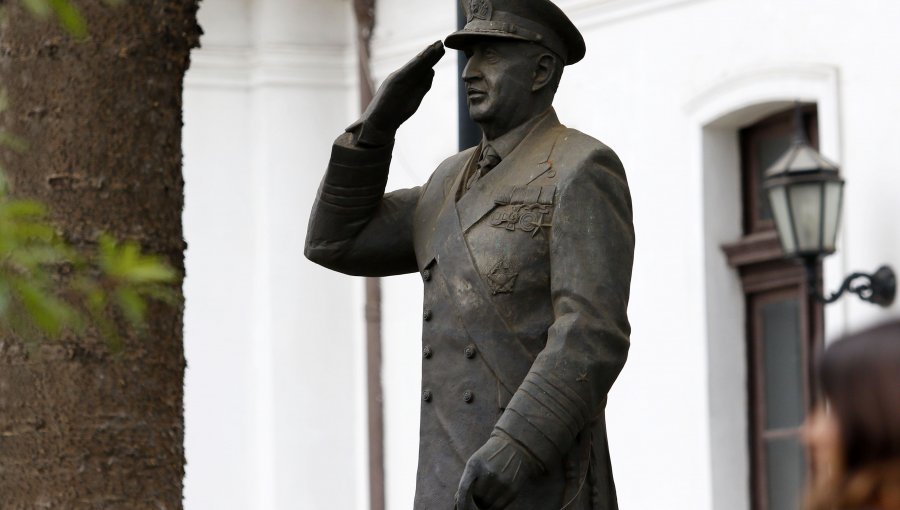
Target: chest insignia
x,y
501,278
525,208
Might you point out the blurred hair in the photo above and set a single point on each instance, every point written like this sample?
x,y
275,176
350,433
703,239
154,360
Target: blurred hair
x,y
860,378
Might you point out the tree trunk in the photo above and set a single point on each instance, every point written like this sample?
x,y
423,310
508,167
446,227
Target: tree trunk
x,y
81,427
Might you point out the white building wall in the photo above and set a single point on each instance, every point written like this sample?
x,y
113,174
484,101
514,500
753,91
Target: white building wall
x,y
677,419
666,83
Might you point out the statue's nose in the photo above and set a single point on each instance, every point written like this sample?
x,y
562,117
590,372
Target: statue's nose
x,y
471,70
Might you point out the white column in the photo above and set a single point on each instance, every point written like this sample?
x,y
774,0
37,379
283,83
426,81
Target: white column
x,y
219,223
275,396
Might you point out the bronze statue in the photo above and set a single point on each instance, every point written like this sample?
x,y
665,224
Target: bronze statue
x,y
525,246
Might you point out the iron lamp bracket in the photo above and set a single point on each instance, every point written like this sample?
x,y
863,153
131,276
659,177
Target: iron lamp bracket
x,y
879,288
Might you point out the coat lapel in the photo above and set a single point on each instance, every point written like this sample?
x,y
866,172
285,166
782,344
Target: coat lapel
x,y
438,201
530,159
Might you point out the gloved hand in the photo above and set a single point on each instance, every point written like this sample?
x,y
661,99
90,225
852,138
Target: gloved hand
x,y
495,474
398,98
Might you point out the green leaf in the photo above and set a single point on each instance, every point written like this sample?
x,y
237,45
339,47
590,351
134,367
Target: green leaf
x,y
126,263
35,299
131,304
93,296
38,255
70,18
161,293
107,331
47,312
148,271
38,7
33,232
12,141
107,245
96,299
23,209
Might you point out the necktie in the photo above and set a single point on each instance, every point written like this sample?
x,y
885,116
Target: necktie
x,y
489,159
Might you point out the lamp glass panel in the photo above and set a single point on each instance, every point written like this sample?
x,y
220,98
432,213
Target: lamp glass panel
x,y
806,209
832,217
779,205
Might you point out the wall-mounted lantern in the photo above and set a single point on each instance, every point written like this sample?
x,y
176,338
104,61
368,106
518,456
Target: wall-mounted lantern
x,y
805,192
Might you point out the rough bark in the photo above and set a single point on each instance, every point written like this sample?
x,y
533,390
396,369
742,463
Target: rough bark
x,y
81,427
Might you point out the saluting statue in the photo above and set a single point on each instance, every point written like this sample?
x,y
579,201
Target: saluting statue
x,y
525,246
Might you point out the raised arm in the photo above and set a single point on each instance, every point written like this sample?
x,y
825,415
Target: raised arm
x,y
356,228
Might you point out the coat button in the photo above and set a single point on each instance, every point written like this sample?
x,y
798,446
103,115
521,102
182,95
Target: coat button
x,y
426,395
426,352
468,396
470,351
427,314
426,275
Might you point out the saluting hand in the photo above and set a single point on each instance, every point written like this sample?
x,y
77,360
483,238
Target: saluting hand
x,y
494,475
402,92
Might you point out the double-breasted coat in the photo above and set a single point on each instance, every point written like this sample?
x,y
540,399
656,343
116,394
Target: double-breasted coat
x,y
526,279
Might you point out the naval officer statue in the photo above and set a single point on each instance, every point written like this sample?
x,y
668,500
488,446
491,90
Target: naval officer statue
x,y
525,246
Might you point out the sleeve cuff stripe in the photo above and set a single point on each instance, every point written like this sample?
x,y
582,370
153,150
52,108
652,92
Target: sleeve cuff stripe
x,y
573,397
354,200
554,410
539,433
359,168
372,190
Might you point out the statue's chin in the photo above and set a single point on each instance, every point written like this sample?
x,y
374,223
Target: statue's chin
x,y
479,115
479,109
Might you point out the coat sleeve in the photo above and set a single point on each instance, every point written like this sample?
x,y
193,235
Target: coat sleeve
x,y
591,255
355,228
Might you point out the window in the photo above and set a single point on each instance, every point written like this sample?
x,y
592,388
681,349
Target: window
x,y
761,145
782,323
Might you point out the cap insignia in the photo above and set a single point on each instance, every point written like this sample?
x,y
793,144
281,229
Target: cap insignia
x,y
478,9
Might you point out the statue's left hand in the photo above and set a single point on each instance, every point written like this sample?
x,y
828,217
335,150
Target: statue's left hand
x,y
494,475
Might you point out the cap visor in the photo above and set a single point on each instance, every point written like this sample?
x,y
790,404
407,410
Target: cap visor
x,y
462,39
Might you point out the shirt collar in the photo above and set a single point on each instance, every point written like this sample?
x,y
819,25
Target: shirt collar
x,y
505,143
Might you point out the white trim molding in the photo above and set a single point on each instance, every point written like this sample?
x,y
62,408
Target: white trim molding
x,y
272,65
388,45
746,97
587,14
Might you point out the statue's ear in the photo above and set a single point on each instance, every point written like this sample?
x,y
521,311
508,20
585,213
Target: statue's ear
x,y
544,70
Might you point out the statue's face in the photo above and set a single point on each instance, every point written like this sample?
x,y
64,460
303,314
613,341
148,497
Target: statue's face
x,y
499,77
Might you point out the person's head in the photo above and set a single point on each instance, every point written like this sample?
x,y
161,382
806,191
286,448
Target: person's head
x,y
508,82
855,442
517,50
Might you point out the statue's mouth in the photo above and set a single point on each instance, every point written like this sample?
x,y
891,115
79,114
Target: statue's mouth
x,y
475,93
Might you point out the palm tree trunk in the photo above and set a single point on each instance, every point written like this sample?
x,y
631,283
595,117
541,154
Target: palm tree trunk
x,y
81,427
